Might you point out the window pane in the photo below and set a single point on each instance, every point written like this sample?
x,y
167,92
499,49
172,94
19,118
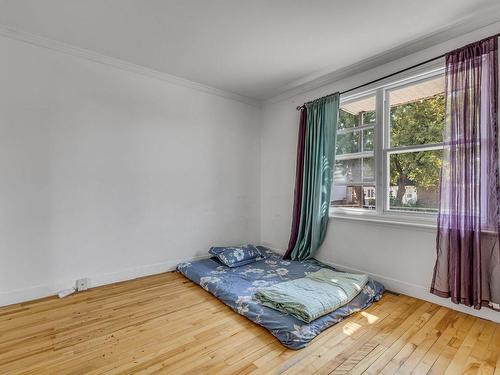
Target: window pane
x,y
414,181
348,143
417,113
357,112
354,171
347,120
368,169
369,118
368,140
347,171
354,177
355,196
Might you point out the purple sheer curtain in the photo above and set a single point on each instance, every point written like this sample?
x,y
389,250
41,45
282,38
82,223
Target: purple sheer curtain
x,y
468,256
297,195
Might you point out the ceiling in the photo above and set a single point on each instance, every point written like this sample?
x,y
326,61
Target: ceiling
x,y
254,48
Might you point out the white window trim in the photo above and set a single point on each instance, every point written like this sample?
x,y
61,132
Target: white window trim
x,y
381,150
390,219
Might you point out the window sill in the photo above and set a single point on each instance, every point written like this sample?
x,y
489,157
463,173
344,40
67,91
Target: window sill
x,y
402,220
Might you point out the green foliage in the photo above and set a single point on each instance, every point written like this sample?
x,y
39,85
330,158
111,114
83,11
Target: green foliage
x,y
420,169
348,143
368,117
347,120
419,122
368,140
351,142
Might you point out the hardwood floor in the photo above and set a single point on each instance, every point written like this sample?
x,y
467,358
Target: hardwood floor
x,y
166,324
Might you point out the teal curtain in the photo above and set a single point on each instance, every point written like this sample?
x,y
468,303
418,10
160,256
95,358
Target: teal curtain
x,y
318,164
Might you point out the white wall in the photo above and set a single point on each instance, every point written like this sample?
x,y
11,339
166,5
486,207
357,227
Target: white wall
x,y
109,174
400,257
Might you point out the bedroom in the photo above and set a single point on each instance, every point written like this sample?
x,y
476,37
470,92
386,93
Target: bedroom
x,y
137,136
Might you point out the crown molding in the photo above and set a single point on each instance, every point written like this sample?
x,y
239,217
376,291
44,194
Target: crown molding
x,y
473,22
61,47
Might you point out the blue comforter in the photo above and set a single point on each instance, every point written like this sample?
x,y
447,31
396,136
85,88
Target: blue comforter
x,y
236,288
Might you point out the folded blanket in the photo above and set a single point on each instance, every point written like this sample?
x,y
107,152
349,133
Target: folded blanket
x,y
313,296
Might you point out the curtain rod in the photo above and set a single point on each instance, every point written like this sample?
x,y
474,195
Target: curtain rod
x,y
393,74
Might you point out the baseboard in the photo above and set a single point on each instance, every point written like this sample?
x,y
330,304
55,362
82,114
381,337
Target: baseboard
x,y
394,285
46,290
419,291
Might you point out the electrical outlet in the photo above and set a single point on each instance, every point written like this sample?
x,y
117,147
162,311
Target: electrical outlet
x,y
82,284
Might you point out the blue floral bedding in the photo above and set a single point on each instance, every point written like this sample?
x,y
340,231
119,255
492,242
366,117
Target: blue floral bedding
x,y
236,286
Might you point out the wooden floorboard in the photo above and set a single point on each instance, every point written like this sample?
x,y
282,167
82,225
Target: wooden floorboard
x,y
166,324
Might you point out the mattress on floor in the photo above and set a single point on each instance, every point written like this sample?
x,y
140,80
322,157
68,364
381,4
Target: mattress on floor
x,y
236,286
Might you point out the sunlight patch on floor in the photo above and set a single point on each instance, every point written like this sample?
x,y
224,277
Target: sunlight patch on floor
x,y
370,317
350,328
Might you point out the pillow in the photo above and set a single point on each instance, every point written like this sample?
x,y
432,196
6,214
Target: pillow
x,y
236,256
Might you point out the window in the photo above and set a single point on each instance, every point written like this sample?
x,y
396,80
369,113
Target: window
x,y
354,174
389,148
416,120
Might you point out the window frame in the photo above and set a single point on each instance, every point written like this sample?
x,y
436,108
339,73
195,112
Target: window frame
x,y
382,150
